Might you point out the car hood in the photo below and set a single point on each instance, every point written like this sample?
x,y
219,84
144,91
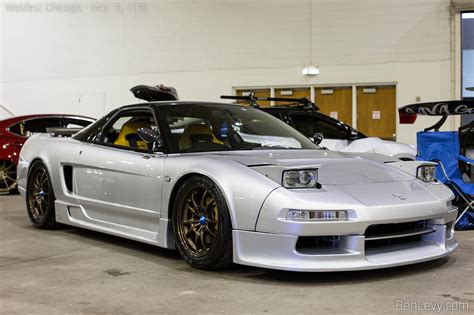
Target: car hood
x,y
334,168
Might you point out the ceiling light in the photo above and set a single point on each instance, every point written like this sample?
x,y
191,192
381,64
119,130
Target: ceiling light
x,y
310,71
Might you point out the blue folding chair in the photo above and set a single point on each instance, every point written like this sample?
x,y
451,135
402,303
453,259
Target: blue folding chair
x,y
444,147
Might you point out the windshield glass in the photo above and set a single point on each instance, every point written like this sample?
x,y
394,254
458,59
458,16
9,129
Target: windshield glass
x,y
5,113
218,127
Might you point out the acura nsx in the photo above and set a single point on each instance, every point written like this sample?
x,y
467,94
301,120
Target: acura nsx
x,y
224,183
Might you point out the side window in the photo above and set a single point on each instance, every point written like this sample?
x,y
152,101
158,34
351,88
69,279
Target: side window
x,y
122,130
18,128
39,125
309,125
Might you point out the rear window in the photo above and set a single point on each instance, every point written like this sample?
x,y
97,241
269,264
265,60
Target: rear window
x,y
39,125
18,128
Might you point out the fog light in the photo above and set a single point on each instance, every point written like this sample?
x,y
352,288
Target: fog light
x,y
426,173
317,215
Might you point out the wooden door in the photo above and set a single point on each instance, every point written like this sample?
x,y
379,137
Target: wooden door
x,y
257,93
376,111
292,93
335,102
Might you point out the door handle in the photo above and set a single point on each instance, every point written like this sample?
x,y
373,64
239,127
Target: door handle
x,y
18,144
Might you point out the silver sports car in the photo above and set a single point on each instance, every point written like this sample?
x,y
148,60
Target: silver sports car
x,y
223,183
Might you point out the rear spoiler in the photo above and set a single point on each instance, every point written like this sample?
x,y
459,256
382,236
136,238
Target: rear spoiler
x,y
253,100
155,93
409,113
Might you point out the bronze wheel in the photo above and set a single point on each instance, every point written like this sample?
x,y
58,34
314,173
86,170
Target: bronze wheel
x,y
40,197
201,224
7,177
198,221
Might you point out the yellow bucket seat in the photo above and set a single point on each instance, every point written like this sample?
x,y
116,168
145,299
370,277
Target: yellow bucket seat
x,y
191,130
128,136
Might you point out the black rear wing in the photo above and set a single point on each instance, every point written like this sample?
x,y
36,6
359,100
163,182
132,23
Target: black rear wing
x,y
253,100
155,93
409,113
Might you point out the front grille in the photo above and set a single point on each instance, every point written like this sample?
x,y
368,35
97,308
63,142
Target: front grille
x,y
380,235
314,242
392,241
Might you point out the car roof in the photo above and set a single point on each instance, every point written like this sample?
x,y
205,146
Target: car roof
x,y
15,119
177,103
298,110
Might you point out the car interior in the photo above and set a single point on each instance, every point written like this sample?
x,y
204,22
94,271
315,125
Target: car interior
x,y
123,131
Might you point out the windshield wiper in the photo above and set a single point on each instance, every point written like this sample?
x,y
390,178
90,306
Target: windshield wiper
x,y
273,147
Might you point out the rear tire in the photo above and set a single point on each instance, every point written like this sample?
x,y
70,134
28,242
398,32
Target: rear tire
x,y
201,224
40,197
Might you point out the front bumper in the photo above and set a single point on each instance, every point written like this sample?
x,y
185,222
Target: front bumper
x,y
381,231
277,251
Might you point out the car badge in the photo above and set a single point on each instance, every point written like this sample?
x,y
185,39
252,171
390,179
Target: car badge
x,y
399,197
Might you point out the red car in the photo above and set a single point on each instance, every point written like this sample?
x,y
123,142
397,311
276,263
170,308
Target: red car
x,y
16,130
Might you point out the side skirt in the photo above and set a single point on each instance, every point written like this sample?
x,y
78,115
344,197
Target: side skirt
x,y
71,214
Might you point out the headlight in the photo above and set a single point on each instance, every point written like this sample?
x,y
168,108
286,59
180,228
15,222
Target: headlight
x,y
426,173
317,215
300,179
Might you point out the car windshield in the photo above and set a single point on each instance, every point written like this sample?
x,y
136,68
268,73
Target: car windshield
x,y
218,127
5,113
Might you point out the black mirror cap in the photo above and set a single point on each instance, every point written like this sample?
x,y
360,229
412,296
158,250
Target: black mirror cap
x,y
150,136
318,138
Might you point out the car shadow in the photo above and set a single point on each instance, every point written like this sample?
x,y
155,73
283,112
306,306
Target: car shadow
x,y
340,277
120,244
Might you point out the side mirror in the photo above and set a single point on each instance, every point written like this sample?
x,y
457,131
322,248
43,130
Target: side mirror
x,y
354,134
318,138
150,136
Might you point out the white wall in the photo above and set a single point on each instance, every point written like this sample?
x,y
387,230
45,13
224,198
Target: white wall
x,y
85,62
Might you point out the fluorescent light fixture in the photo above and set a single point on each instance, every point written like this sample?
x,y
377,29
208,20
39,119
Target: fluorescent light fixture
x,y
469,15
286,92
310,71
369,90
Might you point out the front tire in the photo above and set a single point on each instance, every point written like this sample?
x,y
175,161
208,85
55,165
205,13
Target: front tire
x,y
40,197
202,225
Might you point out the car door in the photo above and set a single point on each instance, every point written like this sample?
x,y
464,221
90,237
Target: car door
x,y
118,177
336,137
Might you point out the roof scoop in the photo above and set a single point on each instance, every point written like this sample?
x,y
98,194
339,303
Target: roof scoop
x,y
155,93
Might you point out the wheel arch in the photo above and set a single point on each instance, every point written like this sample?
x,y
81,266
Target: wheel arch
x,y
176,186
243,188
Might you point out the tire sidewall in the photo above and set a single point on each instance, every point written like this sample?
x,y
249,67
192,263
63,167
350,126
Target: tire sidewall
x,y
225,227
49,217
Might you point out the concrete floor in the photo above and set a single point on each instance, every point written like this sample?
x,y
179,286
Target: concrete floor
x,y
72,270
